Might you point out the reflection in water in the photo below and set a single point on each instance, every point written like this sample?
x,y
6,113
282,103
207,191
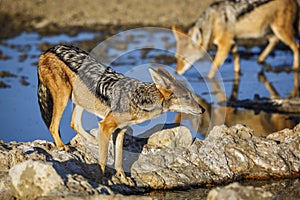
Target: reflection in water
x,y
262,122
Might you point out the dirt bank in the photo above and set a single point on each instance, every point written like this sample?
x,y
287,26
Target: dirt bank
x,y
71,16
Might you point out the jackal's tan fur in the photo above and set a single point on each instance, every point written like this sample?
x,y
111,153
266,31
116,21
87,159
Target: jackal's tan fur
x,y
225,21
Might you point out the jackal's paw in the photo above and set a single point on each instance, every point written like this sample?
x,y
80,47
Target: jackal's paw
x,y
261,60
121,178
294,93
262,78
64,148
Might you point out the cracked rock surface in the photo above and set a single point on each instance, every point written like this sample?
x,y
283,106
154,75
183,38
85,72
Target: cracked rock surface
x,y
165,159
226,154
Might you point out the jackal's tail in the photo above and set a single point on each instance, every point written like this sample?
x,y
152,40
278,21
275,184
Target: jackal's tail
x,y
45,102
297,23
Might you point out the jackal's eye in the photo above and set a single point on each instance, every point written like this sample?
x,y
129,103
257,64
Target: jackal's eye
x,y
187,97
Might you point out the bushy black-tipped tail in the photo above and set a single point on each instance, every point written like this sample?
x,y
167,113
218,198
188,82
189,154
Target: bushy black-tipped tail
x,y
45,102
297,21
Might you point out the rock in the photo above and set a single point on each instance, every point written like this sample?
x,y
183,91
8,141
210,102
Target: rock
x,y
38,165
5,186
284,134
163,157
14,153
172,138
236,191
226,154
31,179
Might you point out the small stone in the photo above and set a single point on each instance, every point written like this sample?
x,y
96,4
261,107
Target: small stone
x,y
31,179
172,138
237,191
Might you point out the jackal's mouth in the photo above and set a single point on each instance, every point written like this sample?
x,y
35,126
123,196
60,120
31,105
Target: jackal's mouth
x,y
192,111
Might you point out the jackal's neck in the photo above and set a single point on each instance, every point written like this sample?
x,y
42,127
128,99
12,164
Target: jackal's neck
x,y
147,97
165,105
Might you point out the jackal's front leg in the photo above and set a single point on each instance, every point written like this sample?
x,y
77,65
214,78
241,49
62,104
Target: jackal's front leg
x,y
236,59
222,52
107,126
273,40
120,174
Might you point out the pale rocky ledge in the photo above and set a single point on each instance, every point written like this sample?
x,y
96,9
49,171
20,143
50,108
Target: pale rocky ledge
x,y
168,159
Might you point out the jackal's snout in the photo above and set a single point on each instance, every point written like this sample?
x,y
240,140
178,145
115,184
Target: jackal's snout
x,y
188,103
198,109
180,66
202,110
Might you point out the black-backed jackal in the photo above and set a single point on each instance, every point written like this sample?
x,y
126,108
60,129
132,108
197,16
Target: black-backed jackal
x,y
68,72
225,21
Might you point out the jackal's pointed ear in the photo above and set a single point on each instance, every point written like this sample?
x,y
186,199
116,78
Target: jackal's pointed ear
x,y
195,35
162,83
162,71
178,33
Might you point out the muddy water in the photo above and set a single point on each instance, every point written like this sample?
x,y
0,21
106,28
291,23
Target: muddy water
x,y
132,52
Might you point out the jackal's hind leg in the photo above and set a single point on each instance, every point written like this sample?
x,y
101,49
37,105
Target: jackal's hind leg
x,y
273,40
60,100
285,32
76,124
296,90
269,86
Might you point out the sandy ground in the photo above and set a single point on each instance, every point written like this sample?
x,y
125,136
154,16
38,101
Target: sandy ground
x,y
57,15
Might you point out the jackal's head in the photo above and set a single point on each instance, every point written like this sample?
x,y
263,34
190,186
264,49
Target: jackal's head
x,y
189,48
176,96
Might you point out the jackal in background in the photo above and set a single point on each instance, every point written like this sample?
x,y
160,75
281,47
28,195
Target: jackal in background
x,y
225,21
68,72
